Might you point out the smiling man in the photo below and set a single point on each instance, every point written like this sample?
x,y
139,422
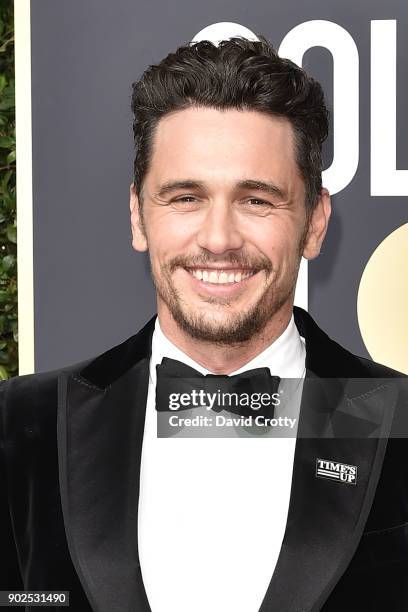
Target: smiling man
x,y
225,219
227,197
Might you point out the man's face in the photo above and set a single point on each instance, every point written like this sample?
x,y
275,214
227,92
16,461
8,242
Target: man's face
x,y
225,222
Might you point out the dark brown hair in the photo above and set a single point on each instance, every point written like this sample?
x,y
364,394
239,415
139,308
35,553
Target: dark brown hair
x,y
236,74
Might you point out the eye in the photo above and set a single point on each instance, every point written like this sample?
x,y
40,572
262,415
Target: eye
x,y
257,202
186,199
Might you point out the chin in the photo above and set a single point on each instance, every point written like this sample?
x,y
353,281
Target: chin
x,y
214,313
222,329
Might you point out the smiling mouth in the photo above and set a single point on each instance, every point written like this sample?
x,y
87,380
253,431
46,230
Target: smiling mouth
x,y
221,276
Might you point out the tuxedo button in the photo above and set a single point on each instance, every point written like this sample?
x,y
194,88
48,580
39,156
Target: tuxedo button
x,y
31,431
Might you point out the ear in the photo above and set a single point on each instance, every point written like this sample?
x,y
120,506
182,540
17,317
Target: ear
x,y
318,223
139,241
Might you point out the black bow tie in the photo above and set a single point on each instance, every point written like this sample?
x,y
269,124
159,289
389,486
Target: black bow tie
x,y
180,387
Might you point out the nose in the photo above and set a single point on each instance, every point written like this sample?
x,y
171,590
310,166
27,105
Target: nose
x,y
219,232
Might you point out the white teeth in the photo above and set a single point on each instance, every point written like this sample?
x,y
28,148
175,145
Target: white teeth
x,y
220,277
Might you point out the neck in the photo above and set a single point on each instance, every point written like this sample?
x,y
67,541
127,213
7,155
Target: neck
x,y
219,358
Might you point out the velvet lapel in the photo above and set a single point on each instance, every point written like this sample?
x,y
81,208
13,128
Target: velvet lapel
x,y
100,431
348,421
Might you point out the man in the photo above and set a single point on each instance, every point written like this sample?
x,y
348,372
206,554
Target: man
x,y
226,198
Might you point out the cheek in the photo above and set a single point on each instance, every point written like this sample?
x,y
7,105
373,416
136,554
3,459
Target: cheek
x,y
167,241
278,241
170,231
271,239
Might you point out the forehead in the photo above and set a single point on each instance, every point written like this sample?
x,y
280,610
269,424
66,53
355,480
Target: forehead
x,y
230,144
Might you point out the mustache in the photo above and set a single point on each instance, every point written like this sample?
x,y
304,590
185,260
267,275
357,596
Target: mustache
x,y
204,260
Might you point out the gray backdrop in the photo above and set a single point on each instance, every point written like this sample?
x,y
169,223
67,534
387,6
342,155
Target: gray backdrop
x,y
91,289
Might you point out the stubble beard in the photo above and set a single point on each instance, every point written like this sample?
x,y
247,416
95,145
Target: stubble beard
x,y
232,328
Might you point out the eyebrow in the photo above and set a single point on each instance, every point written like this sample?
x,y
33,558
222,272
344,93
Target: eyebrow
x,y
263,186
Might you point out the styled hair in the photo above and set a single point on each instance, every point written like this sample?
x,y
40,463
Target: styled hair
x,y
236,74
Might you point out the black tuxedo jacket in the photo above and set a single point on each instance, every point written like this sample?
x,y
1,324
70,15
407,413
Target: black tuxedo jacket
x,y
70,449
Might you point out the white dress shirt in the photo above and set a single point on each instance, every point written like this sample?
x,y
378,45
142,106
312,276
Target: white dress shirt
x,y
213,511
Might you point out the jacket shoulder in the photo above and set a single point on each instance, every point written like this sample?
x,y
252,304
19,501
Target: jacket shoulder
x,y
329,359
28,386
31,398
378,370
31,390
